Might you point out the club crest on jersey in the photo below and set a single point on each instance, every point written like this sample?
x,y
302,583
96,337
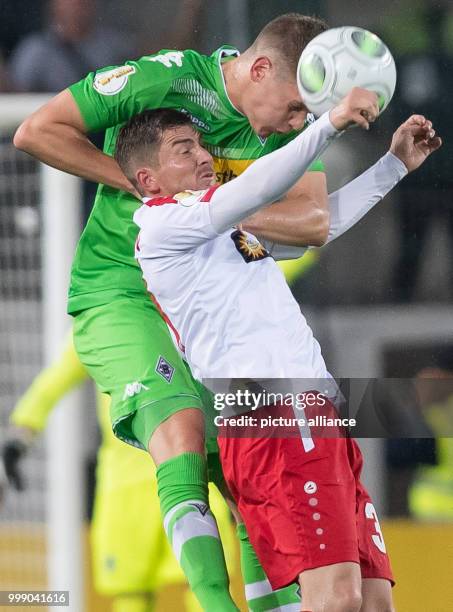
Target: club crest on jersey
x,y
113,81
248,246
165,369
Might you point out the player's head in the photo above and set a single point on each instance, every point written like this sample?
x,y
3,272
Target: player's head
x,y
160,153
265,75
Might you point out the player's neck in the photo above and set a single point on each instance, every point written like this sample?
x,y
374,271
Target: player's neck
x,y
234,81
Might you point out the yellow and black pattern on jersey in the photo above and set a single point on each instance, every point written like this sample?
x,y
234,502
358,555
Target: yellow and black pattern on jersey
x,y
249,247
228,169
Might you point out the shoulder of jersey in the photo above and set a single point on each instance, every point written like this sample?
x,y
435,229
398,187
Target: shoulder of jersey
x,y
171,58
185,198
189,198
111,81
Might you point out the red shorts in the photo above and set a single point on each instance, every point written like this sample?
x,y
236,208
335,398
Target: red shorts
x,y
304,510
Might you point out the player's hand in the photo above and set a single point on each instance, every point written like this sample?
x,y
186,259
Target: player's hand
x,y
13,451
360,107
414,141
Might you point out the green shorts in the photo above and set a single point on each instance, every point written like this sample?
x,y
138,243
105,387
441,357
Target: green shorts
x,y
127,349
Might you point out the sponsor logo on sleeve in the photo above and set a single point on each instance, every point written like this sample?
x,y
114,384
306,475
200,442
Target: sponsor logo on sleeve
x,y
189,198
112,81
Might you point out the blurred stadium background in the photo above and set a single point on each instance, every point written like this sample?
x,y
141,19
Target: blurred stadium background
x,y
379,300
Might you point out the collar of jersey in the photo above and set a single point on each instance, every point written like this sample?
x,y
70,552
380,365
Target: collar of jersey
x,y
159,201
224,52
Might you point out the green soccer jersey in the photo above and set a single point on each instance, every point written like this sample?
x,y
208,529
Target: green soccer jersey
x,y
104,266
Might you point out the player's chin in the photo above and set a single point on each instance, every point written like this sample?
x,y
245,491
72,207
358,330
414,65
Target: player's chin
x,y
265,132
206,180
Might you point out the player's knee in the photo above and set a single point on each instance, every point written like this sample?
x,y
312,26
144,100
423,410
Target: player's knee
x,y
342,596
377,596
182,432
378,604
345,597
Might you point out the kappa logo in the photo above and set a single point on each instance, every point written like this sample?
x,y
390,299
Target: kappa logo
x,y
310,487
165,369
196,121
134,388
203,509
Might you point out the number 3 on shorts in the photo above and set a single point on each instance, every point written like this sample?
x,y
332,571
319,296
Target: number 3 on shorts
x,y
377,537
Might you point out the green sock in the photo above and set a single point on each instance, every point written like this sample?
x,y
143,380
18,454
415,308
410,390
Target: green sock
x,y
192,530
258,591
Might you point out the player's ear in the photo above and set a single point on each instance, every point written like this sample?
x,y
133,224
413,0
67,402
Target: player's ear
x,y
260,67
146,181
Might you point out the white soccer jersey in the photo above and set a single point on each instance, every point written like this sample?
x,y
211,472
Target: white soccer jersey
x,y
223,293
220,289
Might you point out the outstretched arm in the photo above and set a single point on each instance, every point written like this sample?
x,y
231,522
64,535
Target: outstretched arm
x,y
301,217
270,177
56,134
411,144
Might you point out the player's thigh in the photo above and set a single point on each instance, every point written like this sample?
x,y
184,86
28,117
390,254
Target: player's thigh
x,y
376,595
299,507
127,349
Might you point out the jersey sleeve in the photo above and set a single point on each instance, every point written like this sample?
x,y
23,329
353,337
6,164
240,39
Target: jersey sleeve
x,y
169,226
110,96
279,140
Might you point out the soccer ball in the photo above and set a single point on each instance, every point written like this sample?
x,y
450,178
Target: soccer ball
x,y
342,58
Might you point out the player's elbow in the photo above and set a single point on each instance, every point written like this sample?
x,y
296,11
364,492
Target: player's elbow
x,y
24,136
320,227
27,134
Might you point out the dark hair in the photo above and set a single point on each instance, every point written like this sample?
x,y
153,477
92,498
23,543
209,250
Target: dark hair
x,y
139,139
288,35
